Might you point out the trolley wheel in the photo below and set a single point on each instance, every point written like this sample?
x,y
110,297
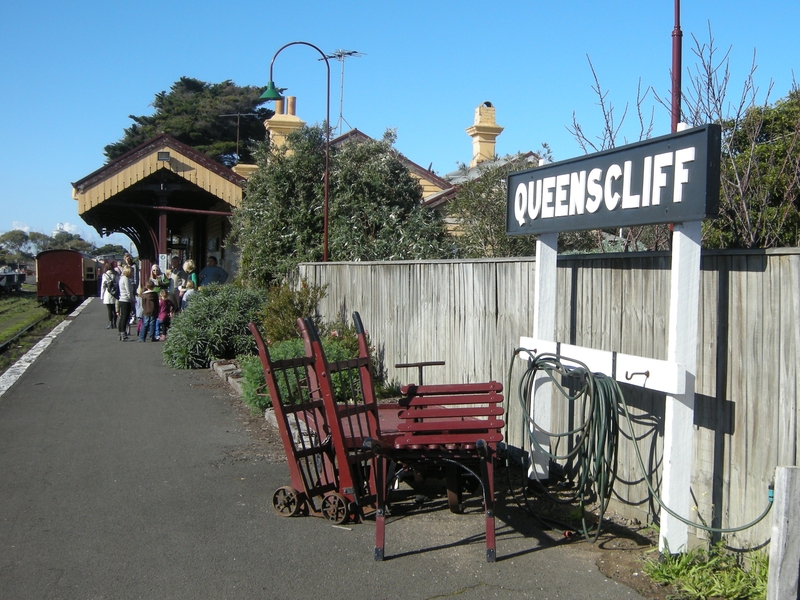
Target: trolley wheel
x,y
334,508
285,501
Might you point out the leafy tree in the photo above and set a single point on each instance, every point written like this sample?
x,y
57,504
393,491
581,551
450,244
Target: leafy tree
x,y
110,249
647,237
279,223
16,248
15,241
376,211
72,241
760,169
374,207
479,209
40,241
22,247
199,114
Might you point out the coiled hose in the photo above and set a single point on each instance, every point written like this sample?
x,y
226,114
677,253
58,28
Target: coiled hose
x,y
599,401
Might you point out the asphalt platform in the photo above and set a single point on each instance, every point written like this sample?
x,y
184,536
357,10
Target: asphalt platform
x,y
122,478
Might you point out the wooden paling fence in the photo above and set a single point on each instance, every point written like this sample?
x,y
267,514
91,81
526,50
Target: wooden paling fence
x,y
472,313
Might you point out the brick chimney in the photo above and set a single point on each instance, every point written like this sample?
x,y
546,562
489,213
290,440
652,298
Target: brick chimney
x,y
483,133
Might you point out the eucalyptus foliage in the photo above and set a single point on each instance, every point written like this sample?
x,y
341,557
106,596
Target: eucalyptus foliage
x,y
375,210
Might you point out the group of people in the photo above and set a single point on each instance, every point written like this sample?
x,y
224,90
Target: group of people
x,y
151,303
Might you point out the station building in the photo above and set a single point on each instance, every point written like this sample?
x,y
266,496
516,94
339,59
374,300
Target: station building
x,y
170,199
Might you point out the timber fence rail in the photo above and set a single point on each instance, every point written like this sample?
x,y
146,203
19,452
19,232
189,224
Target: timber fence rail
x,y
471,314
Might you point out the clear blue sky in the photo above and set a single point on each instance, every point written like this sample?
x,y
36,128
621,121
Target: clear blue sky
x,y
72,72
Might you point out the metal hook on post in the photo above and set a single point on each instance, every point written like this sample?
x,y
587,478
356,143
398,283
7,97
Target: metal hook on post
x,y
630,376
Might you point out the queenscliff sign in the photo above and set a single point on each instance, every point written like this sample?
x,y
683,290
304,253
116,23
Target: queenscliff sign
x,y
670,179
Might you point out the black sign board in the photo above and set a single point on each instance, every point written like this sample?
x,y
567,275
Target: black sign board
x,y
670,179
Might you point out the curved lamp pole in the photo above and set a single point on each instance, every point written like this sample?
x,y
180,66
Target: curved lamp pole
x,y
272,93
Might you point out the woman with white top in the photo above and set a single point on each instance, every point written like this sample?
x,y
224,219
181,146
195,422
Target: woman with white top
x,y
109,299
126,298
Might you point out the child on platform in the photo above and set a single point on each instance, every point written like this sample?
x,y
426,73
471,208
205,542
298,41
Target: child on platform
x,y
149,312
187,294
166,308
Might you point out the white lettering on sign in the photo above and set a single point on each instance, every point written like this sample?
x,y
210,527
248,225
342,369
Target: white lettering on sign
x,y
577,199
574,193
595,190
681,172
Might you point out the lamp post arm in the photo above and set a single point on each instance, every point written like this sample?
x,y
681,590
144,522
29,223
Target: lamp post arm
x,y
327,136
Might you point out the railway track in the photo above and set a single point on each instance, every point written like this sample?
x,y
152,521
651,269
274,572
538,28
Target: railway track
x,y
23,321
10,342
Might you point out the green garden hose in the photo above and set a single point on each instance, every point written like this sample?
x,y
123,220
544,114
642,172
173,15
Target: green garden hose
x,y
599,400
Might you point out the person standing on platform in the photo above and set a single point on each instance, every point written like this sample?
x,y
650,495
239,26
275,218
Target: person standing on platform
x,y
127,261
178,277
213,273
126,297
160,281
166,308
188,266
109,294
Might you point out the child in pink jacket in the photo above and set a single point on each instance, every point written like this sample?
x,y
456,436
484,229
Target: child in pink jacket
x,y
166,308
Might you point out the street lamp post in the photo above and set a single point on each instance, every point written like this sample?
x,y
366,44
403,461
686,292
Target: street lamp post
x,y
272,93
677,37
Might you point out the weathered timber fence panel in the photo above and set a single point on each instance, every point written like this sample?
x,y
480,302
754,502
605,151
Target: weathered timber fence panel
x,y
472,313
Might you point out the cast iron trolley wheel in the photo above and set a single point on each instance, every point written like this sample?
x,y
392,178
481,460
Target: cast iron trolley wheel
x,y
334,508
285,501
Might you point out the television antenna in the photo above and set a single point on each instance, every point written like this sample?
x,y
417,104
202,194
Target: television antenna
x,y
341,56
238,121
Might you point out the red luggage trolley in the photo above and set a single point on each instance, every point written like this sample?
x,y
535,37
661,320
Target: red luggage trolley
x,y
324,414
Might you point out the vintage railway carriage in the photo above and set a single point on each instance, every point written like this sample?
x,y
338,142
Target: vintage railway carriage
x,y
65,278
11,282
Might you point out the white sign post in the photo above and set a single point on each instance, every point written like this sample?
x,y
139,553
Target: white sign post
x,y
544,328
684,298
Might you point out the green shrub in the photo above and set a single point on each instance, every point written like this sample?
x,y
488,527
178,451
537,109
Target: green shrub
x,y
285,304
717,573
345,333
213,327
253,383
254,390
